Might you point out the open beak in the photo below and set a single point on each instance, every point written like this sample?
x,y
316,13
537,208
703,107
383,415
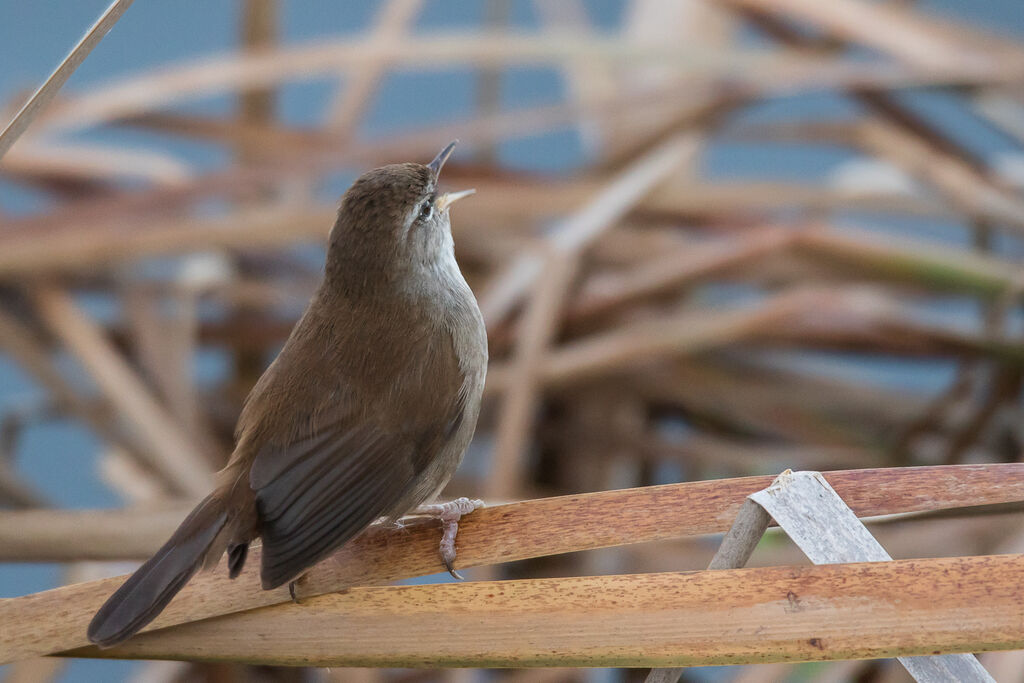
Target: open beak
x,y
441,157
446,200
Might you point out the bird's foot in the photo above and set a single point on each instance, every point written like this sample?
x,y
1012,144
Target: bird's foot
x,y
449,514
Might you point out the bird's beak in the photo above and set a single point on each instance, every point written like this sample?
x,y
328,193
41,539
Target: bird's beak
x,y
442,157
446,200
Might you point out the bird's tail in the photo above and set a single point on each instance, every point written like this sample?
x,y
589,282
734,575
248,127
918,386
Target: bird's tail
x,y
146,592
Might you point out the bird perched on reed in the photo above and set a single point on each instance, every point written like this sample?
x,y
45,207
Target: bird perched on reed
x,y
365,413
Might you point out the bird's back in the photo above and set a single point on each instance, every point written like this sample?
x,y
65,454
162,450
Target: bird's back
x,y
371,425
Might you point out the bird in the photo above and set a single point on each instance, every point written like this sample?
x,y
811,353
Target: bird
x,y
364,414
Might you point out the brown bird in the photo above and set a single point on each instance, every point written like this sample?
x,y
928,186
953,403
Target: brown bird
x,y
365,413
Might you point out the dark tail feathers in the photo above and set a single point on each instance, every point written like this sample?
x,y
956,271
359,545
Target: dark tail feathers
x,y
146,592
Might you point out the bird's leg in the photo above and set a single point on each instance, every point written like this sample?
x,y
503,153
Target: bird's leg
x,y
449,513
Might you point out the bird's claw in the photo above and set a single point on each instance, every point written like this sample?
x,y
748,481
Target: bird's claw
x,y
451,569
292,592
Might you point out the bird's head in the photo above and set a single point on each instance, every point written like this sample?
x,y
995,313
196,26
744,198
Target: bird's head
x,y
394,217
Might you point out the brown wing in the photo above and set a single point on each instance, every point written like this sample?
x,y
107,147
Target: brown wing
x,y
316,493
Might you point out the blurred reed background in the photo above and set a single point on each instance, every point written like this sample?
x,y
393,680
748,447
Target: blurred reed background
x,y
709,239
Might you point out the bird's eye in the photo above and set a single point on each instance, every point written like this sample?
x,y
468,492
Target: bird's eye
x,y
427,210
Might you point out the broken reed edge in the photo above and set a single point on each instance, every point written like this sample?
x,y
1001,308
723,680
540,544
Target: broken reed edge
x,y
549,526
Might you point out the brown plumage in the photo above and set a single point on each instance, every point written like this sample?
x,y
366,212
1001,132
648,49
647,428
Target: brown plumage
x,y
365,413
